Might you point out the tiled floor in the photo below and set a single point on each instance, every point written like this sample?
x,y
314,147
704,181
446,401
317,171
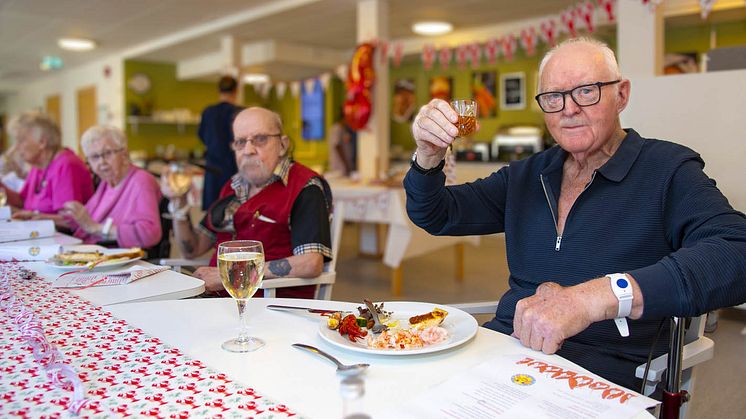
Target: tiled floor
x,y
719,391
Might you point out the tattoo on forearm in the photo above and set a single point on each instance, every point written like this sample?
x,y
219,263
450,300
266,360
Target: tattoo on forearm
x,y
187,245
279,267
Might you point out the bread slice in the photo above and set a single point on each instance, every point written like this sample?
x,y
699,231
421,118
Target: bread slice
x,y
433,318
73,258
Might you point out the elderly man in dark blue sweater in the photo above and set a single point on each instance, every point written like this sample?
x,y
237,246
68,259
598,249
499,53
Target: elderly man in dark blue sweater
x,y
607,233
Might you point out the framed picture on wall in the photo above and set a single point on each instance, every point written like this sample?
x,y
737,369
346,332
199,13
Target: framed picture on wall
x,y
513,91
441,87
484,92
403,101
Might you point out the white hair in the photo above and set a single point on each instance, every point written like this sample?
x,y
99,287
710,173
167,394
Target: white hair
x,y
602,47
98,133
39,125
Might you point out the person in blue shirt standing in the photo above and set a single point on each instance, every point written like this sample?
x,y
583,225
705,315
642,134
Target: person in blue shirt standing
x,y
215,131
607,232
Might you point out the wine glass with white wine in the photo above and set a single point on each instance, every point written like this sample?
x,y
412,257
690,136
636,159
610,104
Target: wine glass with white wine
x,y
179,178
241,266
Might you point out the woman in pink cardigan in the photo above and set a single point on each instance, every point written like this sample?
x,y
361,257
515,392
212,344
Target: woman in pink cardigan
x,y
124,207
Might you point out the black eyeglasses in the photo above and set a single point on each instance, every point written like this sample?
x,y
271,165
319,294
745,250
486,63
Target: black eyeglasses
x,y
585,95
258,141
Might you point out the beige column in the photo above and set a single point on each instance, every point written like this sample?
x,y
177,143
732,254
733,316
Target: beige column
x,y
373,140
639,39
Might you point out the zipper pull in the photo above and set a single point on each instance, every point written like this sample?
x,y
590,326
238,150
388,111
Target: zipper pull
x,y
557,244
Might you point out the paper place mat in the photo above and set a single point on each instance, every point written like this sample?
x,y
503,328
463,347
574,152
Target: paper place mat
x,y
19,252
113,277
126,372
524,385
24,230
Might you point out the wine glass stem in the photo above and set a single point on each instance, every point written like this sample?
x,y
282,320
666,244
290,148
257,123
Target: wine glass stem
x,y
243,331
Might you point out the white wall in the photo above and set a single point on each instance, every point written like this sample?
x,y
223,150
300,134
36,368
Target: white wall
x,y
109,95
706,112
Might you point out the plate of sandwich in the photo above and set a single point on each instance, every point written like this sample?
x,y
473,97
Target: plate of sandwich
x,y
93,258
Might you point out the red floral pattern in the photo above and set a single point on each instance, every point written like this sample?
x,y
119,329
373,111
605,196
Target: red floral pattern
x,y
125,371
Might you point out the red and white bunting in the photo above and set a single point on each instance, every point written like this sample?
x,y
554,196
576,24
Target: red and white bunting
x,y
608,6
475,54
324,78
295,88
428,56
490,48
568,19
461,51
508,46
398,53
528,41
705,7
280,89
548,31
383,51
652,4
586,11
444,56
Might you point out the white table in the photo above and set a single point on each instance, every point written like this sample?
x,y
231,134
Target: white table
x,y
305,383
384,205
58,238
166,285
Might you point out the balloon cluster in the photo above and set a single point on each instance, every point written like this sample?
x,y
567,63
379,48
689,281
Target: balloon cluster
x,y
360,77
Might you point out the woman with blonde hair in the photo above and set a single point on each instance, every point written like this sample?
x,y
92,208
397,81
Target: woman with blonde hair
x,y
57,175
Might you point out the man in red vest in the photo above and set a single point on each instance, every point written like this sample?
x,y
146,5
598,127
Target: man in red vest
x,y
281,203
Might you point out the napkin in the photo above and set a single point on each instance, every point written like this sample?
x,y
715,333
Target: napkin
x,y
19,252
24,230
113,277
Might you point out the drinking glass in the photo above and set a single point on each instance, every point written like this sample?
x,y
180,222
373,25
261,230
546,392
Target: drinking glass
x,y
179,178
241,266
467,116
3,197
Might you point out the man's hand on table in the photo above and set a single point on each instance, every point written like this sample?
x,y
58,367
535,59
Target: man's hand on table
x,y
211,276
544,320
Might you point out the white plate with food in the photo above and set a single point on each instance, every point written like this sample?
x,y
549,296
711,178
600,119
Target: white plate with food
x,y
459,325
83,256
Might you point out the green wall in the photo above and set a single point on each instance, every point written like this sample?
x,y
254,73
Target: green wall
x,y
461,89
167,93
696,38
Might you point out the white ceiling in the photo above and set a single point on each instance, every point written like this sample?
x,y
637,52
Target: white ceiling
x,y
172,30
29,28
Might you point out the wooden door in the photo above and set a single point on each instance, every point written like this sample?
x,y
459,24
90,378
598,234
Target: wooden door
x,y
87,115
53,109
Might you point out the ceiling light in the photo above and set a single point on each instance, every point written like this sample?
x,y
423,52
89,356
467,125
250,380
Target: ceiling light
x,y
432,28
76,44
256,78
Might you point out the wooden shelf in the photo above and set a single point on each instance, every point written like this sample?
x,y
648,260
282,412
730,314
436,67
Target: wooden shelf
x,y
135,121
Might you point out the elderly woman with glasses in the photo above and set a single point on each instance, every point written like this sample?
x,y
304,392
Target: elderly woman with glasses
x,y
124,207
57,175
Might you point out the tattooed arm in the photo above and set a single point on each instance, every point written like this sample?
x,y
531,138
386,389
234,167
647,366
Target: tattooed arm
x,y
192,242
307,265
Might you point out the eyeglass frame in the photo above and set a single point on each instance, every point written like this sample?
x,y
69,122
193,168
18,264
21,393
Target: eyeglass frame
x,y
263,142
105,155
564,93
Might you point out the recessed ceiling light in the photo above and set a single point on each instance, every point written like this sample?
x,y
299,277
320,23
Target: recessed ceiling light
x,y
432,28
76,44
255,78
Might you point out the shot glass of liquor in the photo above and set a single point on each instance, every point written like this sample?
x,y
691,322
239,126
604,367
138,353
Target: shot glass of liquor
x,y
467,116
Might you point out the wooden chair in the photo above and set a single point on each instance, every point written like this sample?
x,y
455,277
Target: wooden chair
x,y
697,349
323,282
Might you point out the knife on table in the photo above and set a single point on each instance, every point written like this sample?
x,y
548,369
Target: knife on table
x,y
307,309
